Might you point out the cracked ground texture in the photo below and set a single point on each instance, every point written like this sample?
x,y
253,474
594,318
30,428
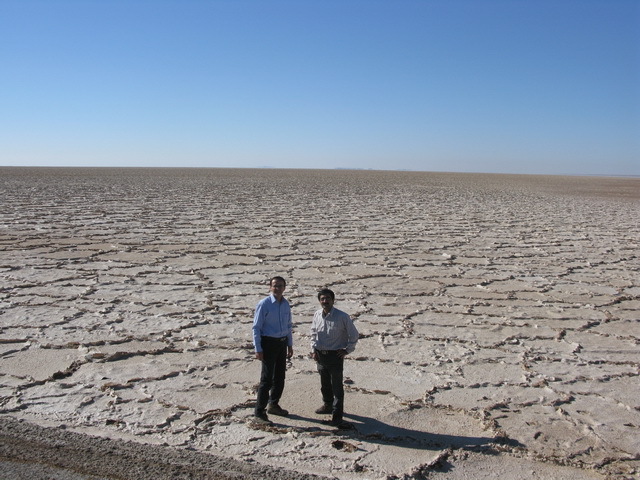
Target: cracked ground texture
x,y
498,317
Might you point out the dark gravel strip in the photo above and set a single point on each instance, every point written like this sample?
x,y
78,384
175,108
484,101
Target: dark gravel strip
x,y
34,452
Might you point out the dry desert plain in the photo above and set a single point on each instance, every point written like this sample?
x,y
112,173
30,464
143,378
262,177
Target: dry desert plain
x,y
498,318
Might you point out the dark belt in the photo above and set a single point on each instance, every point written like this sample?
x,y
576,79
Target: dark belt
x,y
326,352
274,339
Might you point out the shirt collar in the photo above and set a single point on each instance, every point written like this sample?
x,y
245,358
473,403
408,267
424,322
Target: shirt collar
x,y
273,298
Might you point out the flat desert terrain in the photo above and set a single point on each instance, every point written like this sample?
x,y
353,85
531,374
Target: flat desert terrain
x,y
498,318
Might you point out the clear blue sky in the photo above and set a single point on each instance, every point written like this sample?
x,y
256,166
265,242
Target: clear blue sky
x,y
509,86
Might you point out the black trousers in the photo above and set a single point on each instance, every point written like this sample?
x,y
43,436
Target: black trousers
x,y
274,367
330,368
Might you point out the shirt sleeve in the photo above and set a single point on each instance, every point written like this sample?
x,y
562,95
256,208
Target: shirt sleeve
x,y
314,333
258,320
290,328
352,334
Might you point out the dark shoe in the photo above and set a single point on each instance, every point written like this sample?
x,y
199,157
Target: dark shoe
x,y
339,424
325,409
342,425
276,409
261,419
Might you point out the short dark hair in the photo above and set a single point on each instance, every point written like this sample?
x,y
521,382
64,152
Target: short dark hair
x,y
326,291
277,278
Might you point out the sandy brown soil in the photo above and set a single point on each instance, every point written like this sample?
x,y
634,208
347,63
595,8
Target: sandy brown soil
x,y
498,317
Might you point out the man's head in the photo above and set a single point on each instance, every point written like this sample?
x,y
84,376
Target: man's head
x,y
277,286
326,298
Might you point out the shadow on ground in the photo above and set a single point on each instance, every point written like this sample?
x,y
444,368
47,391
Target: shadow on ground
x,y
375,431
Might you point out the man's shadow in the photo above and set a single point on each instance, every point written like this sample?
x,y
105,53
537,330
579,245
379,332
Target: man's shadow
x,y
374,431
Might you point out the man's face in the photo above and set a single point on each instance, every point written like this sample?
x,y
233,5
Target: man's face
x,y
277,288
326,302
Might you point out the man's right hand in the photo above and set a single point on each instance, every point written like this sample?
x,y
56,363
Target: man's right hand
x,y
260,356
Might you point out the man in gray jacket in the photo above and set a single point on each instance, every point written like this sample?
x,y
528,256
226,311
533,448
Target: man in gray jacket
x,y
333,336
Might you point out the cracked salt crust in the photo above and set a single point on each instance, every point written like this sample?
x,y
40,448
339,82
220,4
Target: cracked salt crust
x,y
498,315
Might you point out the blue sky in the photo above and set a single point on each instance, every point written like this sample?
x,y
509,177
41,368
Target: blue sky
x,y
539,86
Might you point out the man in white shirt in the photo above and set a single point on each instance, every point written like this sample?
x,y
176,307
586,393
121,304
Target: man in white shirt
x,y
333,336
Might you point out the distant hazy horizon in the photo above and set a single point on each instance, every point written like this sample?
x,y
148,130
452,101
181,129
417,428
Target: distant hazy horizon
x,y
346,169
